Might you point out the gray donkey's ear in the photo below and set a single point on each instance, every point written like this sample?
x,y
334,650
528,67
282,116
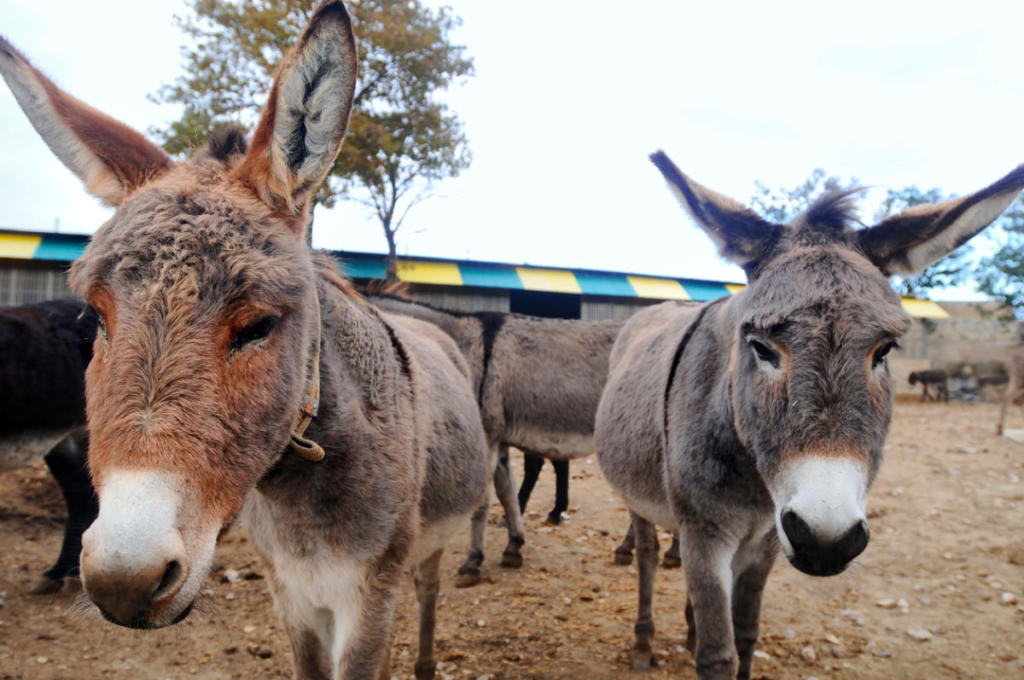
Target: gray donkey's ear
x,y
108,156
304,120
740,234
909,241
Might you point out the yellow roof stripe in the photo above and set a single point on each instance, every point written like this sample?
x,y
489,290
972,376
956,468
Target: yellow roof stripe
x,y
439,273
734,288
548,280
659,289
924,309
19,246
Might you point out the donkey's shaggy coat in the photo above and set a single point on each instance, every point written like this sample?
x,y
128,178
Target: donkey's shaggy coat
x,y
221,336
758,420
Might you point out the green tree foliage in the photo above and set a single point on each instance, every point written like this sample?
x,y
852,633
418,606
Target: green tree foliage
x,y
401,138
951,270
1001,275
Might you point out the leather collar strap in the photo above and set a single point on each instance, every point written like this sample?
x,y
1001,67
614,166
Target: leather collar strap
x,y
308,448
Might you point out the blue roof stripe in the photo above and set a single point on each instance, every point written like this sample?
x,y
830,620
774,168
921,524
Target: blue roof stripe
x,y
60,249
702,291
363,268
489,276
594,283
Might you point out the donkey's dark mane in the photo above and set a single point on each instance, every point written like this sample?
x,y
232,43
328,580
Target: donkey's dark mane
x,y
835,211
227,142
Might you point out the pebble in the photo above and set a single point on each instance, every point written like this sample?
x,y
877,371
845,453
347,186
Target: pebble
x,y
249,629
887,603
42,659
481,623
762,655
230,576
789,634
919,634
1008,598
808,654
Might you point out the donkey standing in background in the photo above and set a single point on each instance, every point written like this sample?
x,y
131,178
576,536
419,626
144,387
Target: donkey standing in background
x,y
537,381
44,349
1015,388
237,373
936,377
758,419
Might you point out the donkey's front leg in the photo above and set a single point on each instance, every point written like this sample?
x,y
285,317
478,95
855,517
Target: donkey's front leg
x,y
427,579
646,563
707,564
505,488
755,563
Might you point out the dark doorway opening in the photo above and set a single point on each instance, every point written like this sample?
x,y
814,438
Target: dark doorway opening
x,y
552,305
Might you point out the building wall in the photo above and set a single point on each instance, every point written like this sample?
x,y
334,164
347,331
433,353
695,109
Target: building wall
x,y
24,281
461,298
593,308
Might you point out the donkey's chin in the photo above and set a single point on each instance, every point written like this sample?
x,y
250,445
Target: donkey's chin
x,y
145,623
818,567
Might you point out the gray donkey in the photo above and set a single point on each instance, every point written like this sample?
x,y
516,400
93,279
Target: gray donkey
x,y
758,420
236,373
1015,389
537,382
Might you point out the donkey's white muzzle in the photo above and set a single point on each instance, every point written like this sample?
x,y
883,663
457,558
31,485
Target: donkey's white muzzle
x,y
820,513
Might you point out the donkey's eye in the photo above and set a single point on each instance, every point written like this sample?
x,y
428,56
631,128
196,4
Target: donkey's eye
x,y
883,352
254,333
763,353
101,323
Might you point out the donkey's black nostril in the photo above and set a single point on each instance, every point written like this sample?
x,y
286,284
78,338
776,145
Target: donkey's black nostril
x,y
854,541
797,531
174,574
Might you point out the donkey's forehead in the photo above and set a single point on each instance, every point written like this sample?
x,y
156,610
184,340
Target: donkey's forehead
x,y
214,236
826,284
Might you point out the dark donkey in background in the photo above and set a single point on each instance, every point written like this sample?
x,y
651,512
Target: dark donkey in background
x,y
236,373
758,420
44,349
538,382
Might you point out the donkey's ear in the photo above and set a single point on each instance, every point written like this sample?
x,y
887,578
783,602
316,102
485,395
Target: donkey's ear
x,y
108,156
741,235
909,241
304,121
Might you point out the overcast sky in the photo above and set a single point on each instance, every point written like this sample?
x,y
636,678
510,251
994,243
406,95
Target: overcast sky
x,y
570,97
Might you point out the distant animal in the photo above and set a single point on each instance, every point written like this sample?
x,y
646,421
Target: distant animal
x,y
929,378
537,381
1015,388
238,374
44,349
757,421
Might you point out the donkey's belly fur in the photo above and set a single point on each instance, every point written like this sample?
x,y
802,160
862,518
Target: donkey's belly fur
x,y
556,445
23,449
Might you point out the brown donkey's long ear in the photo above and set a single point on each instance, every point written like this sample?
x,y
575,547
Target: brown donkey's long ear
x,y
741,235
304,121
108,156
908,242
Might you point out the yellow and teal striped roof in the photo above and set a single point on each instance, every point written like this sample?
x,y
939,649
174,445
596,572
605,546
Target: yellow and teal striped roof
x,y
67,247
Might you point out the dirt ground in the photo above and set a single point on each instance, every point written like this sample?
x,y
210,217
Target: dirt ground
x,y
939,593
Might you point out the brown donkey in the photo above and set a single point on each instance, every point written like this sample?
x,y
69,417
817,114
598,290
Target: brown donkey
x,y
758,420
221,335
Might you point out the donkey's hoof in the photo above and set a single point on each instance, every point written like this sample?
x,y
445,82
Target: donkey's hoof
x,y
511,560
467,577
623,558
47,586
424,670
554,519
671,562
642,660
